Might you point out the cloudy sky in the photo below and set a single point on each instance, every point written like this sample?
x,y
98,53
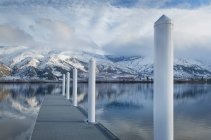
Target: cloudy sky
x,y
119,27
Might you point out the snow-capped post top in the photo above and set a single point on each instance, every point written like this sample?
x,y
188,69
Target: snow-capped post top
x,y
92,60
163,20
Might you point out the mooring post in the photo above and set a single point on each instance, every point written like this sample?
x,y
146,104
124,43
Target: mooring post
x,y
68,86
91,91
163,79
75,87
63,85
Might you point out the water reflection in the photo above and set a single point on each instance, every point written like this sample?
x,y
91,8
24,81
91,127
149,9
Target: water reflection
x,y
19,106
127,110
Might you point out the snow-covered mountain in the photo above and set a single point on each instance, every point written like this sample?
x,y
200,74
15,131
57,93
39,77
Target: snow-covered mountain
x,y
26,63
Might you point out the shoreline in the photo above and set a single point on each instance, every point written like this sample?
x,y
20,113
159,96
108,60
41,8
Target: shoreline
x,y
104,81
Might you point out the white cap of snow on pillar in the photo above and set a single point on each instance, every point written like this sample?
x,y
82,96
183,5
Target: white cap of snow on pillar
x,y
163,20
92,59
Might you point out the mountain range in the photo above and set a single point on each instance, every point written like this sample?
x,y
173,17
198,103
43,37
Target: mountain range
x,y
46,64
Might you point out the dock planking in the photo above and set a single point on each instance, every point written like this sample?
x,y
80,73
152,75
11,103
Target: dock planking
x,y
59,120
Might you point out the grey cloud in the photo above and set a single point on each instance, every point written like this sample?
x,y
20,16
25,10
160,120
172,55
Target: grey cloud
x,y
135,47
13,36
198,53
115,30
184,4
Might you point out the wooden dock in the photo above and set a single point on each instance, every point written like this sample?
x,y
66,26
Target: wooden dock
x,y
59,120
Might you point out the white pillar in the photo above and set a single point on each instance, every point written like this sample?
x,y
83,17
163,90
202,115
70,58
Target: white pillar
x,y
163,79
75,87
68,86
63,85
91,91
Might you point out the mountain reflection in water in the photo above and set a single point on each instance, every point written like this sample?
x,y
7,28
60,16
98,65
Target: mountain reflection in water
x,y
19,106
125,109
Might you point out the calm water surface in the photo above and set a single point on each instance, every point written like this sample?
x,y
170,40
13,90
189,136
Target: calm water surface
x,y
19,106
125,109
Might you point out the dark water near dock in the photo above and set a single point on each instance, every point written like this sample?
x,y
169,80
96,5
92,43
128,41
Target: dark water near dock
x,y
125,109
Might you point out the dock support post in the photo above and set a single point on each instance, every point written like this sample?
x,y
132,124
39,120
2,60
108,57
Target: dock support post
x,y
68,86
63,85
75,87
163,79
91,91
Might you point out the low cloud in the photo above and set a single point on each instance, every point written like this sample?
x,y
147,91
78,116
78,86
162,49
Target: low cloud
x,y
114,27
13,36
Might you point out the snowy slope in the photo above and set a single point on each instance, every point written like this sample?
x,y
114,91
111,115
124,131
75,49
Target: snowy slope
x,y
183,68
51,64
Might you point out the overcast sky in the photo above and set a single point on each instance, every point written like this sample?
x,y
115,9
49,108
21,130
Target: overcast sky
x,y
119,27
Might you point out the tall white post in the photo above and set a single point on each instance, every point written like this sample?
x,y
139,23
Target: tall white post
x,y
75,87
63,85
91,91
163,79
68,86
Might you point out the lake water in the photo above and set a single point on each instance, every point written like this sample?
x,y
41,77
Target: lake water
x,y
125,109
